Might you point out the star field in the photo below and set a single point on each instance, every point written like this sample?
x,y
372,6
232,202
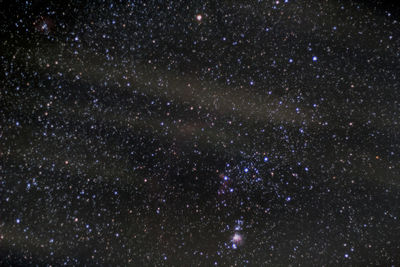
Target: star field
x,y
200,133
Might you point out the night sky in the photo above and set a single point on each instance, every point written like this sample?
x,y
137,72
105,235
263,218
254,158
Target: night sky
x,y
200,133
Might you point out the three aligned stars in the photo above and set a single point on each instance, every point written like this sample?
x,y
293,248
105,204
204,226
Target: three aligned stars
x,y
237,239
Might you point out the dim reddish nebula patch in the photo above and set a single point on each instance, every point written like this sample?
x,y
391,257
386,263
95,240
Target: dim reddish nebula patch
x,y
44,25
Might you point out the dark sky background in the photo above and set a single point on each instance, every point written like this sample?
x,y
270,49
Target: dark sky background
x,y
200,133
